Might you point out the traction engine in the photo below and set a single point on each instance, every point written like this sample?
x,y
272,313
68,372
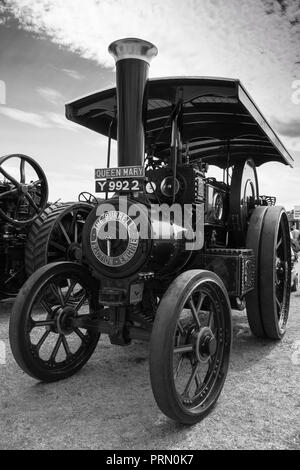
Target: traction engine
x,y
169,251
34,232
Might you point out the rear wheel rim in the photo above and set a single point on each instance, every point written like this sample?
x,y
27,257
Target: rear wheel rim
x,y
282,269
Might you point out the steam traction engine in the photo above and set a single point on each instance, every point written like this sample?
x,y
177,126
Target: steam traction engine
x,y
170,250
23,196
32,231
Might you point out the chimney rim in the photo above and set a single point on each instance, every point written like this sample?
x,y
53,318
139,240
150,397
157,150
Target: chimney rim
x,y
132,48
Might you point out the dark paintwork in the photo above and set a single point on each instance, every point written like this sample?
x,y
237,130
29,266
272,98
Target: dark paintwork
x,y
216,111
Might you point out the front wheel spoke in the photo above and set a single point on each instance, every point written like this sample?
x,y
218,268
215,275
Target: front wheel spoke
x,y
198,381
42,340
56,348
194,312
79,333
56,289
46,307
191,380
81,302
200,302
180,327
39,323
69,291
185,348
66,346
210,319
178,366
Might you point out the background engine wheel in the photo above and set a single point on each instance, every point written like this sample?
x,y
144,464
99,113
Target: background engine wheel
x,y
269,302
85,196
56,235
23,189
190,346
47,339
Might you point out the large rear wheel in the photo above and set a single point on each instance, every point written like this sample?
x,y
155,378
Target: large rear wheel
x,y
190,346
268,304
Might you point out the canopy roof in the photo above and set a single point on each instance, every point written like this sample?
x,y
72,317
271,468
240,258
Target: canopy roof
x,y
221,124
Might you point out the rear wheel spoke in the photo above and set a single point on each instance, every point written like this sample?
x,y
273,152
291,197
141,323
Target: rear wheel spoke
x,y
58,246
64,232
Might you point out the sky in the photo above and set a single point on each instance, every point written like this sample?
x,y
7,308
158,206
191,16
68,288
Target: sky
x,y
52,51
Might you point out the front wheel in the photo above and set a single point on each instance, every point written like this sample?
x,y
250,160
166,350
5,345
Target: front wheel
x,y
190,346
45,331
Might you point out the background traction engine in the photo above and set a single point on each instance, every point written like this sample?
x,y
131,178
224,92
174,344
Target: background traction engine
x,y
172,250
32,231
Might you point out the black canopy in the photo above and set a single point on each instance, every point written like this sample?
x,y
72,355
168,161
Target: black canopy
x,y
220,121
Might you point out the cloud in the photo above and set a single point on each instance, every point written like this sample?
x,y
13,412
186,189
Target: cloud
x,y
43,120
52,96
234,38
59,121
73,74
33,119
288,127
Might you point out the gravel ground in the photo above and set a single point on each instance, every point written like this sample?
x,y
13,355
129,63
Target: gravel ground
x,y
109,404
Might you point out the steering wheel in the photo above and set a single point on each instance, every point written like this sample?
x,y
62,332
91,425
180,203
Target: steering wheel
x,y
22,197
85,196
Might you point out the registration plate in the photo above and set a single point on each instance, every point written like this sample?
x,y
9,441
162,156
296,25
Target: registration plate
x,y
110,186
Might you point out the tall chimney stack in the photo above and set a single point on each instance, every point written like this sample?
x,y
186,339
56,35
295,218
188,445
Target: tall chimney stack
x,y
132,57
